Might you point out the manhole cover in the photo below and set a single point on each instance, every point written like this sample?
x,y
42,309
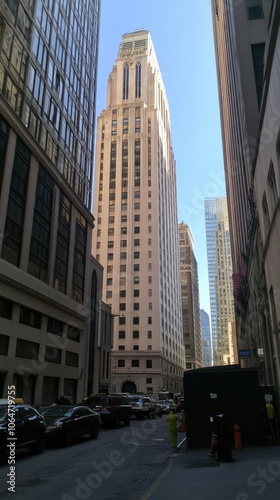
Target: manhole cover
x,y
196,464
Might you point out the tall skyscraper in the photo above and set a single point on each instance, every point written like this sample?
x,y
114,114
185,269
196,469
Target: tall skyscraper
x,y
48,63
246,35
190,299
206,338
220,278
136,237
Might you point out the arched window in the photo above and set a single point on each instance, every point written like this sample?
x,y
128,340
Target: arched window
x,y
125,80
138,80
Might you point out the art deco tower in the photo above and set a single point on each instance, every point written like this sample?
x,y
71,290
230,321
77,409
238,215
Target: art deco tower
x,y
136,236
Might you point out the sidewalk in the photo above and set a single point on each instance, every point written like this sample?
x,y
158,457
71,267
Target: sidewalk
x,y
253,473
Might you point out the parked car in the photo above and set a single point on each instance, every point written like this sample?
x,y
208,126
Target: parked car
x,y
113,409
167,405
28,426
143,406
66,423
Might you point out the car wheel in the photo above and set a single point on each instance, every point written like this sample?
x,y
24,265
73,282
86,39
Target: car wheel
x,y
68,439
39,446
94,432
117,422
127,421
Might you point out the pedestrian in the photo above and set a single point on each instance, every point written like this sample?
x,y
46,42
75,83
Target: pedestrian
x,y
272,421
63,400
172,420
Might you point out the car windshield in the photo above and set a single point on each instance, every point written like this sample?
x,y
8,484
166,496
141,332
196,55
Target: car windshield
x,y
57,411
3,413
98,401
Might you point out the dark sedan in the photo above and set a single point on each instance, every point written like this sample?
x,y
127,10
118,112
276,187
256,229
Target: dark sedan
x,y
21,426
66,423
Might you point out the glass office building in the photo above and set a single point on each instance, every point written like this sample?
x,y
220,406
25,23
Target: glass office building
x,y
48,64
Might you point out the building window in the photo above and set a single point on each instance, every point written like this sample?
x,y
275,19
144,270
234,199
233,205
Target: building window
x,y
150,320
52,354
136,348
4,135
74,333
26,349
136,280
265,214
136,242
125,80
121,333
62,245
254,9
123,255
272,184
136,306
121,363
149,380
138,80
149,363
257,56
4,344
135,363
135,334
42,224
55,326
122,307
79,261
122,268
149,334
135,320
11,249
71,358
136,267
109,294
121,347
30,318
6,308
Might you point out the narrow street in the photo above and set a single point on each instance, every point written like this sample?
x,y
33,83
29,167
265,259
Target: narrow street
x,y
120,464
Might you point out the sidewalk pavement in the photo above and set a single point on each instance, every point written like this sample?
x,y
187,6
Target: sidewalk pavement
x,y
253,473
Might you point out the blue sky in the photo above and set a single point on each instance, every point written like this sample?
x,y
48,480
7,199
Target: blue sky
x,y
182,35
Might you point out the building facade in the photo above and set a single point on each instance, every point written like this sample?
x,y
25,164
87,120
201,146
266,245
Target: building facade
x,y
220,278
246,37
206,338
190,299
48,63
136,236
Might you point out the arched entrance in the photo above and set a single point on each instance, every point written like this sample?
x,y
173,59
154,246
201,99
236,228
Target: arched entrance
x,y
129,387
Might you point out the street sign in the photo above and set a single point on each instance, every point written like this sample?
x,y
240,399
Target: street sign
x,y
244,353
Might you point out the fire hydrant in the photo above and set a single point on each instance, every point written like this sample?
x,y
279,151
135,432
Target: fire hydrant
x,y
237,437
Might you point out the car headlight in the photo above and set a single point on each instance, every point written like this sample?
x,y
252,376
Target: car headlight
x,y
57,425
